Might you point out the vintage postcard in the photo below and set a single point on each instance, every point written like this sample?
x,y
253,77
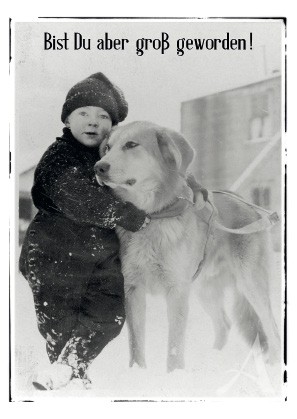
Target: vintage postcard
x,y
149,224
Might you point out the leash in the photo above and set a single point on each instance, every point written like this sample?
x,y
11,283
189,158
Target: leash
x,y
266,221
202,198
209,240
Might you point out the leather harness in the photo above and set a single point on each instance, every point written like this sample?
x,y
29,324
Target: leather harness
x,y
267,220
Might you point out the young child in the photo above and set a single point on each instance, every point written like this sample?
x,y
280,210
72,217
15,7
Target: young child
x,y
70,254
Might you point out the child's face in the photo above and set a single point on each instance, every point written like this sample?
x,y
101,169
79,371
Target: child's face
x,y
89,125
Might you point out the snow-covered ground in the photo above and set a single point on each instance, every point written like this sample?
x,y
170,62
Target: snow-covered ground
x,y
208,373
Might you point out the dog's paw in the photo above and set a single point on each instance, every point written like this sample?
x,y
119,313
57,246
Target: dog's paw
x,y
272,356
137,366
220,341
221,336
175,362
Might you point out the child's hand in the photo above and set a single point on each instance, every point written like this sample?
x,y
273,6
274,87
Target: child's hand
x,y
176,209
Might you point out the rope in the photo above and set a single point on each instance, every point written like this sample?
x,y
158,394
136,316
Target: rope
x,y
263,223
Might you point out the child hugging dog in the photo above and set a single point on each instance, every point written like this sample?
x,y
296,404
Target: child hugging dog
x,y
70,255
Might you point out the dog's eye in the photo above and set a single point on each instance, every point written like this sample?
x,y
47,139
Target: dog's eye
x,y
107,148
130,144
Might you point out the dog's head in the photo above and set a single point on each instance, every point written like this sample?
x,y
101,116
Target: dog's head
x,y
143,162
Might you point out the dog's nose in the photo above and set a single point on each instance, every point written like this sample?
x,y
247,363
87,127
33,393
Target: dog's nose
x,y
101,167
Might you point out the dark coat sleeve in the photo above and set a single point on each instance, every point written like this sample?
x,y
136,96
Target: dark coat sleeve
x,y
63,184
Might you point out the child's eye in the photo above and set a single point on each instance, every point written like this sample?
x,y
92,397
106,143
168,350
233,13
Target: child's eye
x,y
103,116
83,113
130,144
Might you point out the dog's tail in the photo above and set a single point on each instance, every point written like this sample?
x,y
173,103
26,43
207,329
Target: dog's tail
x,y
248,322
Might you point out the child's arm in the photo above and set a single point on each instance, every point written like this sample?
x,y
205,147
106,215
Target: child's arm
x,y
62,185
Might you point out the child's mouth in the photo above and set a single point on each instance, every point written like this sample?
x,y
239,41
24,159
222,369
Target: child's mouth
x,y
91,133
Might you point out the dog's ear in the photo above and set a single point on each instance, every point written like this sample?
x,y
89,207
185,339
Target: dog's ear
x,y
186,151
168,149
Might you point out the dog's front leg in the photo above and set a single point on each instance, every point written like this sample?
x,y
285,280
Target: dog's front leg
x,y
135,315
177,310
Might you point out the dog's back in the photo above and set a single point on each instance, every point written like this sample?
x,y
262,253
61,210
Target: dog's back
x,y
241,262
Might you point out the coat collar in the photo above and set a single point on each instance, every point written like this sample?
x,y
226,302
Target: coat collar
x,y
70,139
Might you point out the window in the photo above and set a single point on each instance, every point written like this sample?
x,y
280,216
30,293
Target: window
x,y
261,196
260,120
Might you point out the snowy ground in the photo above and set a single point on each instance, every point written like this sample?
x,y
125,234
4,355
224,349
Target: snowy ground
x,y
208,373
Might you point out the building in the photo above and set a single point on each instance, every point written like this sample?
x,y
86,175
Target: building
x,y
237,138
26,208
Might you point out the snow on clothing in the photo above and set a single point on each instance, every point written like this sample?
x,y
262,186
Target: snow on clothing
x,y
70,254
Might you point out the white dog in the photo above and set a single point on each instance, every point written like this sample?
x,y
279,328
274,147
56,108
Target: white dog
x,y
146,165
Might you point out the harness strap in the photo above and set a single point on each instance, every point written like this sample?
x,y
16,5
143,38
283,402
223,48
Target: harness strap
x,y
259,225
234,195
208,242
266,221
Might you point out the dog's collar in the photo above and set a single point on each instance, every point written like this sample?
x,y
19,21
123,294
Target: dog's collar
x,y
186,194
165,208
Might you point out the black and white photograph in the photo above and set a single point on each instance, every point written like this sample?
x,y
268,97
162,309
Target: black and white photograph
x,y
149,218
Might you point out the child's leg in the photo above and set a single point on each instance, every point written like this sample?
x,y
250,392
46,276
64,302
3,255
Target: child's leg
x,y
53,294
56,318
56,300
101,317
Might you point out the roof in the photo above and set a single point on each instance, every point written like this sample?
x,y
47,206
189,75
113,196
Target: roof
x,y
235,88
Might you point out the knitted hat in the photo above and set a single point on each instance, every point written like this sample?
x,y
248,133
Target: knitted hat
x,y
96,90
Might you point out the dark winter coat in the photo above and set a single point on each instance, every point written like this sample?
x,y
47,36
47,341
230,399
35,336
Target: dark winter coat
x,y
75,225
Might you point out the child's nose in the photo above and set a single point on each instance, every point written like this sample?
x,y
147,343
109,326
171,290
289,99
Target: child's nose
x,y
94,122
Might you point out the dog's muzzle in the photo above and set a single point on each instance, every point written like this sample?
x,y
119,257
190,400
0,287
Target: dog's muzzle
x,y
103,177
101,168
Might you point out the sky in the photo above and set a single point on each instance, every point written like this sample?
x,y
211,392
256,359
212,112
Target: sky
x,y
154,84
